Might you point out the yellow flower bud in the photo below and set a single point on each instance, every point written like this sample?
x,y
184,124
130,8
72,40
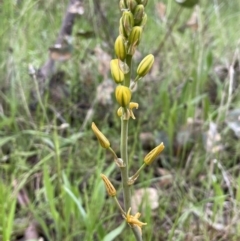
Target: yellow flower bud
x,y
123,95
104,142
135,35
120,48
131,4
127,22
152,155
122,5
121,29
144,20
144,2
138,14
109,187
145,65
120,112
116,72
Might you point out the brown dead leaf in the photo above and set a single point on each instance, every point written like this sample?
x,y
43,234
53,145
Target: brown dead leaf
x,y
144,197
161,10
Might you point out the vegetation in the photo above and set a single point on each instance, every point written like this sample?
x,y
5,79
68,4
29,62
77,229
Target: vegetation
x,y
50,161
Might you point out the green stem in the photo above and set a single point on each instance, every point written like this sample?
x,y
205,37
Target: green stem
x,y
128,75
124,170
113,152
119,206
124,155
124,174
135,176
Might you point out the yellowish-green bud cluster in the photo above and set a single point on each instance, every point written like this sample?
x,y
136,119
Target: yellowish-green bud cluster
x,y
123,95
116,72
145,65
131,23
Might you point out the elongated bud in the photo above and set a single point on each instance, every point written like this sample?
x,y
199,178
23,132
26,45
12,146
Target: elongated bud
x,y
134,39
144,3
116,72
145,65
121,29
138,14
135,35
120,112
104,142
109,187
131,4
127,22
152,155
123,95
144,20
122,5
120,48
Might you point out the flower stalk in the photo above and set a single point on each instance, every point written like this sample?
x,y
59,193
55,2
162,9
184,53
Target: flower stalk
x,y
131,26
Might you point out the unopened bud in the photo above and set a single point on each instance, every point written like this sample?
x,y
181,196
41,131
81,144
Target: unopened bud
x,y
120,48
123,95
131,4
104,142
144,20
120,112
152,155
134,39
121,29
144,2
138,14
109,187
145,65
116,72
122,5
127,22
